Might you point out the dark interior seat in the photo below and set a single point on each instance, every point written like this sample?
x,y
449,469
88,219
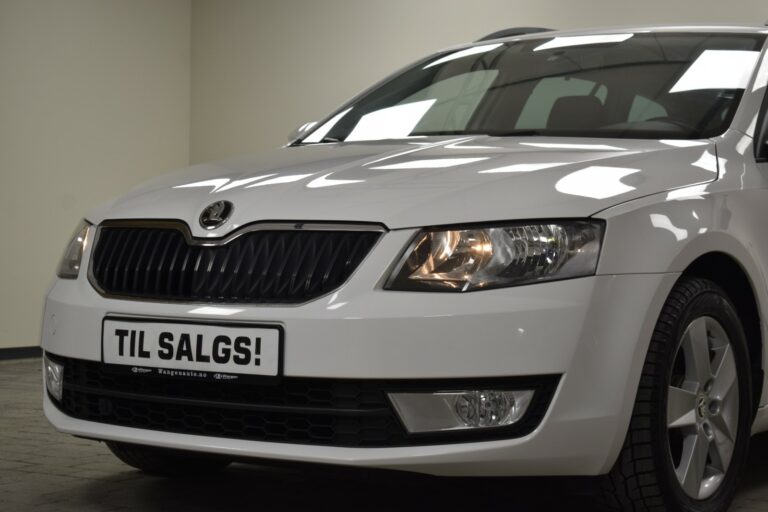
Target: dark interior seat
x,y
576,112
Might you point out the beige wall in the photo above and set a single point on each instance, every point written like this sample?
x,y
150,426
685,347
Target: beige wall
x,y
260,68
98,95
94,98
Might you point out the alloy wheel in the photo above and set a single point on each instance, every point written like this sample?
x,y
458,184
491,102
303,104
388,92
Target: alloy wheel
x,y
703,408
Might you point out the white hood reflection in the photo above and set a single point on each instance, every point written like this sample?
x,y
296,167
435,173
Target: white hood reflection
x,y
694,192
446,180
596,182
280,180
709,162
436,163
522,168
223,184
214,185
325,181
663,222
682,143
560,145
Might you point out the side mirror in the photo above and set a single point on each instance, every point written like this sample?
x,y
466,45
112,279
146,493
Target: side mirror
x,y
301,131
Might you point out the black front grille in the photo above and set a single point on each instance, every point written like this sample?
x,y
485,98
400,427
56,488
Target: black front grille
x,y
345,412
269,266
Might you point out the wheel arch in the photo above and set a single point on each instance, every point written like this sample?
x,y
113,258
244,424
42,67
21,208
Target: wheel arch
x,y
721,253
728,273
711,245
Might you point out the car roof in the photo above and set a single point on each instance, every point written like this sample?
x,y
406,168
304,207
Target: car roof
x,y
692,28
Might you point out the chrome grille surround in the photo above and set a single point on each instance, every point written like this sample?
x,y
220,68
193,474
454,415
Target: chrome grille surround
x,y
260,263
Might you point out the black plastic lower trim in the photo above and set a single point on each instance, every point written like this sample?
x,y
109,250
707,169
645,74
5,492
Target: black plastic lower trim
x,y
329,412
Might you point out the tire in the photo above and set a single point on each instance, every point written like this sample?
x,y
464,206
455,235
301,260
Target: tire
x,y
164,462
649,475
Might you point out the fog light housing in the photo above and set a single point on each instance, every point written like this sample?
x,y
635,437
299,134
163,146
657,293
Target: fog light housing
x,y
460,410
54,378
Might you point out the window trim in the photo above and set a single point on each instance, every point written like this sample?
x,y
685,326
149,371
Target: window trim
x,y
761,132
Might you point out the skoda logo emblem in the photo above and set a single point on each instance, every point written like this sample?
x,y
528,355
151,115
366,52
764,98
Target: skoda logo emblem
x,y
216,214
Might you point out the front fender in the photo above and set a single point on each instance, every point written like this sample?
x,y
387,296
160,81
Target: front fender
x,y
666,233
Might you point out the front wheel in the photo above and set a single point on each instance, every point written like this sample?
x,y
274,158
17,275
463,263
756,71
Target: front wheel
x,y
690,428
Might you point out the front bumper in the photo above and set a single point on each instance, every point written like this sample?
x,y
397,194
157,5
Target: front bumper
x,y
592,331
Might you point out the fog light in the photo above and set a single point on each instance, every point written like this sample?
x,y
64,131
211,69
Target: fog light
x,y
459,410
54,378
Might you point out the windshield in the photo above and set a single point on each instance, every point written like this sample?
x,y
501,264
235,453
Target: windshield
x,y
646,85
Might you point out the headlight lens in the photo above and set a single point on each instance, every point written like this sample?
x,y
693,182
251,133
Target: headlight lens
x,y
476,258
69,267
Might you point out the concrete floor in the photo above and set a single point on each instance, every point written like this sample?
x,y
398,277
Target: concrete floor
x,y
43,470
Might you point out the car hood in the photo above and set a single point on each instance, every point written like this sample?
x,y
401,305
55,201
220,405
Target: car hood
x,y
423,182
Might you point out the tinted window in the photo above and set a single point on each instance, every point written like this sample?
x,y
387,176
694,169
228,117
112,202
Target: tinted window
x,y
538,107
643,109
649,85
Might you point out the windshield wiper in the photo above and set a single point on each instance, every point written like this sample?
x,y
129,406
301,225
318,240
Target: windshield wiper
x,y
516,133
511,133
440,133
324,140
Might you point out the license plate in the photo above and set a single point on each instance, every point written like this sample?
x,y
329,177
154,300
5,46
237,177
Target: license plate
x,y
191,349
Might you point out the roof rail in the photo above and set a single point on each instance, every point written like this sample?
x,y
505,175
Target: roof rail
x,y
515,31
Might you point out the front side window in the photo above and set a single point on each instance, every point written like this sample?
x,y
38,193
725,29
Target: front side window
x,y
647,85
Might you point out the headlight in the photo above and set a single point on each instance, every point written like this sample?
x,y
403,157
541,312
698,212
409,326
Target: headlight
x,y
475,258
69,267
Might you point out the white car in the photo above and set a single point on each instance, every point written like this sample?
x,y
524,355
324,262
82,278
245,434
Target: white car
x,y
543,253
